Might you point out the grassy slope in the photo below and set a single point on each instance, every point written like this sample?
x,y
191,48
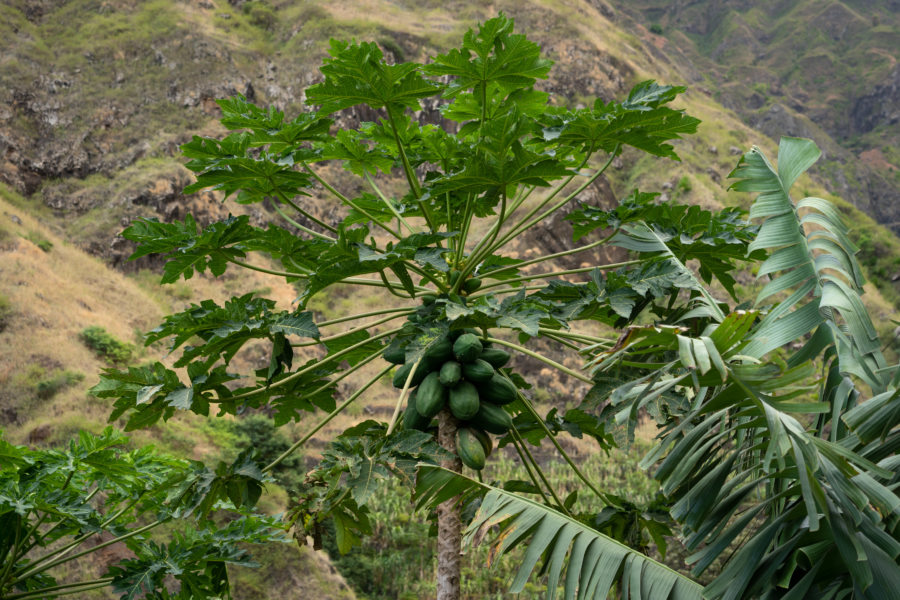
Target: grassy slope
x,y
50,297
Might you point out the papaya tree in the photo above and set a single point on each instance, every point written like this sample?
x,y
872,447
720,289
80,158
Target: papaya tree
x,y
426,215
152,511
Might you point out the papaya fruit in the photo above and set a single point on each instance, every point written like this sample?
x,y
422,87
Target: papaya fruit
x,y
478,371
411,417
497,390
495,357
492,418
471,284
469,449
403,372
439,352
464,402
467,347
431,396
394,353
450,373
485,440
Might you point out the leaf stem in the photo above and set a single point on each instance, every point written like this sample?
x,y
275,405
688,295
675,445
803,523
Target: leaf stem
x,y
539,471
315,365
347,280
577,336
349,202
241,263
403,393
390,288
559,448
480,249
73,588
606,267
338,336
345,373
527,222
508,290
326,420
467,221
315,220
548,257
32,572
562,341
374,313
528,470
542,358
411,178
387,202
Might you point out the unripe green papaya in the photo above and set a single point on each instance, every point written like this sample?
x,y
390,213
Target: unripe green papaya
x,y
496,357
498,390
485,440
478,371
469,449
467,348
464,402
411,418
431,396
492,418
472,284
450,373
394,353
403,372
438,353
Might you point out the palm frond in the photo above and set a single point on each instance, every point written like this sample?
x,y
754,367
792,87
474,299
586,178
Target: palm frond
x,y
588,563
812,257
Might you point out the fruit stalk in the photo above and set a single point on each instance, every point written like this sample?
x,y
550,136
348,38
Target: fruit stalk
x,y
449,521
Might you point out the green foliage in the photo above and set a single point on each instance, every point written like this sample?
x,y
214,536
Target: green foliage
x,y
753,417
260,14
53,502
105,345
596,562
656,28
39,240
350,473
44,383
6,312
396,560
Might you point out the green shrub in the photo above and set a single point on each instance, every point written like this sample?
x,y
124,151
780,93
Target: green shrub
x,y
38,381
106,346
260,15
39,240
259,432
656,28
6,312
56,381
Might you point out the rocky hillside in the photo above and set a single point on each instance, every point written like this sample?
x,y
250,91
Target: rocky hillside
x,y
824,70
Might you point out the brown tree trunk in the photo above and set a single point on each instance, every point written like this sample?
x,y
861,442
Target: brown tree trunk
x,y
449,523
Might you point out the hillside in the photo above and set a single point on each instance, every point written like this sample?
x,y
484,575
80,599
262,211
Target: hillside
x,y
97,95
824,70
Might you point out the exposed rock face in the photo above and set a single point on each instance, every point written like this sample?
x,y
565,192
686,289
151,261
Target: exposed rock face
x,y
823,70
880,107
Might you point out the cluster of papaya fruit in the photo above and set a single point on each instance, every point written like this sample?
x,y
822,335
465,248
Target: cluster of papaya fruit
x,y
458,372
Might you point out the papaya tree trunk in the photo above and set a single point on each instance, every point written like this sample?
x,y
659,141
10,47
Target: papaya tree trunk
x,y
449,522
